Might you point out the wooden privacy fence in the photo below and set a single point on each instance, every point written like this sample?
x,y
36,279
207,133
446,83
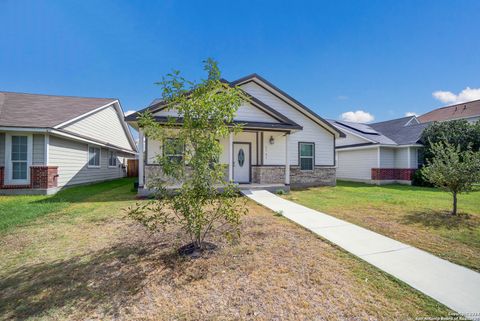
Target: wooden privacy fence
x,y
132,168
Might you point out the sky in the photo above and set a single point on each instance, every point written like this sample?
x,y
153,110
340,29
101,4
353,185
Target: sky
x,y
354,60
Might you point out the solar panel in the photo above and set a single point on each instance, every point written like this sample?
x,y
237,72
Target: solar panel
x,y
365,129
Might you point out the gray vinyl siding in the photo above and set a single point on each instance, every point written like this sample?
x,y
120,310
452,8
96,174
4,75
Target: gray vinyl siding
x,y
38,150
356,164
387,157
2,149
401,157
104,126
71,157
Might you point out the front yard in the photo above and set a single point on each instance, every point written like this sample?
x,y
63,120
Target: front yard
x,y
414,215
75,256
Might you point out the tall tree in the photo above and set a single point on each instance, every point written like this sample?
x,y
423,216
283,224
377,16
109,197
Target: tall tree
x,y
191,148
452,169
456,132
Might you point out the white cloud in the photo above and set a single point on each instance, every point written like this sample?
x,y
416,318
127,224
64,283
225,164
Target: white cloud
x,y
358,116
448,97
411,113
342,97
129,112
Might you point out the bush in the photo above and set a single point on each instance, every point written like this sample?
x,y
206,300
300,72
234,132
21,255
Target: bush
x,y
419,180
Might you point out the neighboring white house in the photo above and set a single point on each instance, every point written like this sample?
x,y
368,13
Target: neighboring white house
x,y
283,142
379,153
469,111
49,142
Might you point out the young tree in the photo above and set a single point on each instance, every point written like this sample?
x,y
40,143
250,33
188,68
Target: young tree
x,y
452,169
191,150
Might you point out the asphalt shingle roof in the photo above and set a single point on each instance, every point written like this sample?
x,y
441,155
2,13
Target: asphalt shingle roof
x,y
463,110
400,131
44,111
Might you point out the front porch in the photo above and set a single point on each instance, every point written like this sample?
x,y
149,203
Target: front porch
x,y
253,158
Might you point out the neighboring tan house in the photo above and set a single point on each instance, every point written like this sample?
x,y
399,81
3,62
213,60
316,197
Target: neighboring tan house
x,y
49,142
283,142
469,111
379,153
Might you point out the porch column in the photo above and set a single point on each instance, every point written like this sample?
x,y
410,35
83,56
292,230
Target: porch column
x,y
140,158
230,157
287,161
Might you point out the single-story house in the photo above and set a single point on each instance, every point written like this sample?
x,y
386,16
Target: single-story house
x,y
283,142
379,153
50,142
469,111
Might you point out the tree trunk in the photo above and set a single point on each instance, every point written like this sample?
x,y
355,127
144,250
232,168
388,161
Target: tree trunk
x,y
454,211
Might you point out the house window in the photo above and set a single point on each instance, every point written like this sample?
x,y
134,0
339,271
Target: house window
x,y
19,157
93,157
112,159
306,153
173,149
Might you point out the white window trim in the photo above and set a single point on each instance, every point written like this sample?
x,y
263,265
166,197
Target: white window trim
x,y
99,156
116,159
8,162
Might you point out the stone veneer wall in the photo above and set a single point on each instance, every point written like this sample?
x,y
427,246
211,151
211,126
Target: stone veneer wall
x,y
272,174
276,175
268,174
153,172
320,176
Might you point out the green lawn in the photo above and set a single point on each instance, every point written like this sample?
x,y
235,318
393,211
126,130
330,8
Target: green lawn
x,y
418,216
76,256
21,210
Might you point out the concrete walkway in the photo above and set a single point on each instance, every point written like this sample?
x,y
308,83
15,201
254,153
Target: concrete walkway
x,y
455,286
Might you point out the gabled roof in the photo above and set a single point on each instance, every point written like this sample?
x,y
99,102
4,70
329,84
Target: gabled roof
x,y
44,111
363,131
400,131
458,111
304,109
53,113
285,122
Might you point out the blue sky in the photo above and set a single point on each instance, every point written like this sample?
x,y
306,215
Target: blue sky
x,y
383,57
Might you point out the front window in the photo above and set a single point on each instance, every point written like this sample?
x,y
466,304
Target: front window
x,y
93,157
306,152
112,159
19,157
173,149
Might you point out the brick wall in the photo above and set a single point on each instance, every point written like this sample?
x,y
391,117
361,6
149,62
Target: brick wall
x,y
403,174
40,177
43,176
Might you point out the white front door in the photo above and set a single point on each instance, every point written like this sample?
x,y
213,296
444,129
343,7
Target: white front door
x,y
241,162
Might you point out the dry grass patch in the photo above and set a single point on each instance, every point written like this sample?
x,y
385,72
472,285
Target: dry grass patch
x,y
102,266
